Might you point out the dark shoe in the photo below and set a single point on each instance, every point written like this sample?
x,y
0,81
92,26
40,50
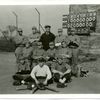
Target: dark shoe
x,y
16,83
30,86
61,85
17,77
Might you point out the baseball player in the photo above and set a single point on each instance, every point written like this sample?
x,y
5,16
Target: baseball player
x,y
74,45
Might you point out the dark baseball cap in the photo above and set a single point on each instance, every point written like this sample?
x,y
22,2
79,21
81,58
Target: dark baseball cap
x,y
47,26
34,28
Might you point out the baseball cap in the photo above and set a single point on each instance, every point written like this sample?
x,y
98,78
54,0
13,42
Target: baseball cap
x,y
47,26
34,27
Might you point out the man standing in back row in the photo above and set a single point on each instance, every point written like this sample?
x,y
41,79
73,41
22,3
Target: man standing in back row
x,y
19,40
60,37
47,37
74,45
34,36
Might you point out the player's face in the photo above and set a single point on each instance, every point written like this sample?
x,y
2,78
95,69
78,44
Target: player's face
x,y
27,45
20,32
60,61
51,46
41,64
59,33
40,46
47,29
33,31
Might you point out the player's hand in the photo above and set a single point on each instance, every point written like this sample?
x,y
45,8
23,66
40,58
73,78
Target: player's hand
x,y
47,57
45,82
54,71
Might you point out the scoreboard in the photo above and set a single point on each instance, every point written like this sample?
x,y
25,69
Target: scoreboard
x,y
82,22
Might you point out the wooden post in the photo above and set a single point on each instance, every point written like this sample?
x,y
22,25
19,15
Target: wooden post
x,y
16,20
38,18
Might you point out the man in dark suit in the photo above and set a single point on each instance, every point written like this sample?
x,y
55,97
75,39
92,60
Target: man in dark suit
x,y
47,37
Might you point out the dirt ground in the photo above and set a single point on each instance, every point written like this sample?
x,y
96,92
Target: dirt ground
x,y
81,85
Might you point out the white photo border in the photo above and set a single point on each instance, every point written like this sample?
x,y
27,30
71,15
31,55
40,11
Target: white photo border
x,y
49,2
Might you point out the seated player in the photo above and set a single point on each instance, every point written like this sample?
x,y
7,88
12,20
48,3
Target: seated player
x,y
63,52
37,53
39,74
26,56
24,62
18,54
62,72
50,54
51,51
41,71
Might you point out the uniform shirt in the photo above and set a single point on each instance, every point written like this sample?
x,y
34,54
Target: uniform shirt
x,y
51,52
33,37
27,52
37,53
63,52
41,71
19,53
19,39
62,67
49,55
60,38
46,39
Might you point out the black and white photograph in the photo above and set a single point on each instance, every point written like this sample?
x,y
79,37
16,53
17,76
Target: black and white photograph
x,y
50,49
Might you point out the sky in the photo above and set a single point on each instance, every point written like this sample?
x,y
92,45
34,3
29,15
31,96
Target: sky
x,y
28,17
